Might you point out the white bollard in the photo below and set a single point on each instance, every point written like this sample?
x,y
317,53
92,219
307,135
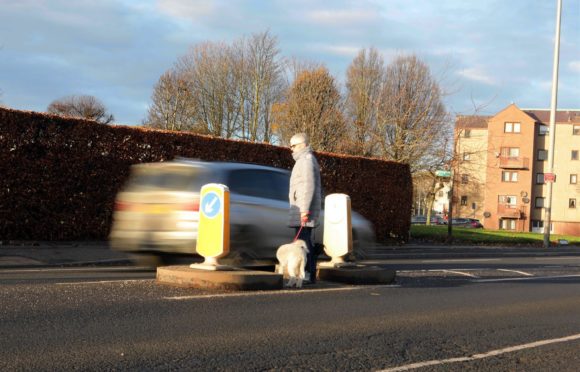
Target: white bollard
x,y
337,230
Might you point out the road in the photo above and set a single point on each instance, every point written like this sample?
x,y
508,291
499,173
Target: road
x,y
434,318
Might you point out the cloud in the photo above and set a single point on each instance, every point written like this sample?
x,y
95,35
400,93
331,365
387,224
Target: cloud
x,y
186,9
574,66
346,17
339,50
477,74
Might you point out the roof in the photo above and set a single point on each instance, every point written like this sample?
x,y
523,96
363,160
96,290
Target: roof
x,y
562,116
471,122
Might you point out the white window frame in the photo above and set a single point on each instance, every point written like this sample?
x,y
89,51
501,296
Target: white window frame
x,y
573,179
509,176
507,224
544,130
508,199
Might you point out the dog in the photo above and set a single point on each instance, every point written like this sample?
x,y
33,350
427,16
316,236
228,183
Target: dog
x,y
292,259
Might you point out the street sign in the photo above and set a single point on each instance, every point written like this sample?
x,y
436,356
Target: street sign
x,y
549,177
443,173
213,236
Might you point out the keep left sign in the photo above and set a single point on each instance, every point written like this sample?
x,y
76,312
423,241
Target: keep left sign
x,y
213,237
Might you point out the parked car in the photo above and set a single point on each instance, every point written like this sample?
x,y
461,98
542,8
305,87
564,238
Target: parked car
x,y
466,222
422,220
157,211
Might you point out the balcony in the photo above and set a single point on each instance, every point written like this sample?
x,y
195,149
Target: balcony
x,y
511,162
510,211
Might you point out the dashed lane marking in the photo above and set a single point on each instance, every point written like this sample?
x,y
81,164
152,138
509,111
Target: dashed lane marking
x,y
462,260
456,272
488,354
526,278
516,271
279,292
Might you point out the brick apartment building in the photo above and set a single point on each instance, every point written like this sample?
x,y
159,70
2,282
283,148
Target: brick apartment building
x,y
499,176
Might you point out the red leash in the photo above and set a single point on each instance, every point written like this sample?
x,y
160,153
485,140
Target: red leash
x,y
301,226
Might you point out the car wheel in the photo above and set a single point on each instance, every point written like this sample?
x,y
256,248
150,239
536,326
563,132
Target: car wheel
x,y
146,260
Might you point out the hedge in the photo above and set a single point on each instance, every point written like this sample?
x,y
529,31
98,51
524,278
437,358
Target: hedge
x,y
59,176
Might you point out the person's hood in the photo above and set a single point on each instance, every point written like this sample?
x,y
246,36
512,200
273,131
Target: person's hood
x,y
298,154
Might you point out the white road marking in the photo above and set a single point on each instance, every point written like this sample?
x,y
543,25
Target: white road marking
x,y
516,271
457,272
104,281
462,260
527,278
488,354
279,292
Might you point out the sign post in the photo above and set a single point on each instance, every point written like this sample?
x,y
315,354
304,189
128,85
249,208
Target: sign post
x,y
213,236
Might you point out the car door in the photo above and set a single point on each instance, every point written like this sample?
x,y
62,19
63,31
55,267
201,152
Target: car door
x,y
259,211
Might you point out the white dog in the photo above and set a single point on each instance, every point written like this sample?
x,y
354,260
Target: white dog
x,y
292,258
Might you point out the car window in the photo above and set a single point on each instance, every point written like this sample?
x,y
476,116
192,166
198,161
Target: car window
x,y
167,178
259,183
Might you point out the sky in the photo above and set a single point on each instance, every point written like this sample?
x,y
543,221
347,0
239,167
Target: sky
x,y
486,54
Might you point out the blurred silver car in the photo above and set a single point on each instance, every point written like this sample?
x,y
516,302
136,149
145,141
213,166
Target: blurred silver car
x,y
157,211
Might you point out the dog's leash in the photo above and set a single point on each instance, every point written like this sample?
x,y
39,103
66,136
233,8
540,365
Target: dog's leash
x,y
297,235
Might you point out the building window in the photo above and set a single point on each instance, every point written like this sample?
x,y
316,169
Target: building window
x,y
571,203
507,199
574,178
467,133
508,176
537,224
544,130
539,178
539,202
466,156
463,200
542,155
464,178
574,154
512,152
576,130
507,224
511,127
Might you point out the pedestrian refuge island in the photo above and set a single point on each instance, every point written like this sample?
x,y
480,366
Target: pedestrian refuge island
x,y
213,243
338,246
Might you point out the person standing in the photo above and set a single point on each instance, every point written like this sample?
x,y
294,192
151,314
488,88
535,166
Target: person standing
x,y
305,196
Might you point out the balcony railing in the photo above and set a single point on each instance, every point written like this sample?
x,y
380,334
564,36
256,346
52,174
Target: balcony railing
x,y
510,211
511,162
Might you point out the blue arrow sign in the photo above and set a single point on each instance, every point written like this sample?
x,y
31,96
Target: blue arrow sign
x,y
211,204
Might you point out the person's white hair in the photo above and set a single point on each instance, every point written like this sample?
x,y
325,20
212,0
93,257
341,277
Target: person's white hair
x,y
299,138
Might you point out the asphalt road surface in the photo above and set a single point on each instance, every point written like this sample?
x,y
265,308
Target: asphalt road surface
x,y
434,318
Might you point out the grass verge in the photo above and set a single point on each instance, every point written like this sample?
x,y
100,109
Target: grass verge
x,y
482,236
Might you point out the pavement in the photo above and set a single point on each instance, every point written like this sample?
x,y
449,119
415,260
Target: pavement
x,y
79,253
17,254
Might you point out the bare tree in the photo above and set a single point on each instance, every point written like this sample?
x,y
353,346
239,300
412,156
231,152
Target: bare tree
x,y
86,107
208,69
364,79
265,83
173,106
412,122
221,89
313,105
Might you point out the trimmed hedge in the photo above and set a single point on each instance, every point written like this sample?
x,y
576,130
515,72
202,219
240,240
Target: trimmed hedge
x,y
59,176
